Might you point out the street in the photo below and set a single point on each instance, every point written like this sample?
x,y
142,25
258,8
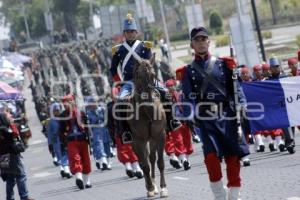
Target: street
x,y
271,175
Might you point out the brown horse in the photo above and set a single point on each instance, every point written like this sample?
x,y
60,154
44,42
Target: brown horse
x,y
148,126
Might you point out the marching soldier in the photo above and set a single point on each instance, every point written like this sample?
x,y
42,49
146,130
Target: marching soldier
x,y
257,72
178,143
207,83
75,136
53,137
289,141
126,55
125,153
292,62
265,70
100,135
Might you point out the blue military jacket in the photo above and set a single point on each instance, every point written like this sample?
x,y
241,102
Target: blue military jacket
x,y
192,82
97,122
119,55
219,134
53,131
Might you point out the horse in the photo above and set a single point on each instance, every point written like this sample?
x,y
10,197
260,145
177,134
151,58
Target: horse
x,y
148,126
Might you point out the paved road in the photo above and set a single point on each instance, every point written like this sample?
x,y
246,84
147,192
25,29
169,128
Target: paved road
x,y
271,176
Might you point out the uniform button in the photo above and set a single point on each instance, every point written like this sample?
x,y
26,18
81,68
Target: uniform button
x,y
193,78
143,51
193,71
195,86
222,73
118,54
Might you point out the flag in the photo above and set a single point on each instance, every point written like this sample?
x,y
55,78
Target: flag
x,y
273,103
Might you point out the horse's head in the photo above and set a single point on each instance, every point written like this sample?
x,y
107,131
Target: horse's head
x,y
144,75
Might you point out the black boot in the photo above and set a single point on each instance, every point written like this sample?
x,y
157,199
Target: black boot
x,y
126,137
290,146
173,124
123,127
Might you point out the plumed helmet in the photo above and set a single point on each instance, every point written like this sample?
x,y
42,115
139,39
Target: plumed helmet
x,y
129,23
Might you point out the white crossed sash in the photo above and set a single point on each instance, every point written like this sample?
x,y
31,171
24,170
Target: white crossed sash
x,y
131,52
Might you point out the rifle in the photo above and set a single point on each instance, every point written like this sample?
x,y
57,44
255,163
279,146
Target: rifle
x,y
236,96
88,130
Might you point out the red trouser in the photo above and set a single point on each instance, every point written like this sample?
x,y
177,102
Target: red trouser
x,y
125,152
213,165
179,141
273,133
79,157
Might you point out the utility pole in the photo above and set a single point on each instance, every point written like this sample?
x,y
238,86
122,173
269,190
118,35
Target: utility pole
x,y
239,12
48,20
166,30
194,14
260,39
91,12
273,9
23,9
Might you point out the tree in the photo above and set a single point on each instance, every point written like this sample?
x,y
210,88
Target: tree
x,y
215,22
12,11
68,8
83,17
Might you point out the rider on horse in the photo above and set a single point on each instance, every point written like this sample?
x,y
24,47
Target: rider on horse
x,y
127,55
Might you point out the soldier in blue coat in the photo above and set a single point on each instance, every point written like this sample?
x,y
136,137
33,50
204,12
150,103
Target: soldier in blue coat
x,y
53,129
125,56
288,135
208,86
101,139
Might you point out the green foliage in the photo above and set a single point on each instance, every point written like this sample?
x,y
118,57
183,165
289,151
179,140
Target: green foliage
x,y
83,16
267,34
298,40
66,6
12,10
215,22
222,40
155,32
110,2
181,35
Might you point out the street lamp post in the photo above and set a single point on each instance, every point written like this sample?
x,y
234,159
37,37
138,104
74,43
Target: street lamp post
x,y
25,20
166,30
260,39
91,11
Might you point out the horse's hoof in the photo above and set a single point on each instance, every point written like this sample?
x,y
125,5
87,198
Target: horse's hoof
x,y
150,193
163,192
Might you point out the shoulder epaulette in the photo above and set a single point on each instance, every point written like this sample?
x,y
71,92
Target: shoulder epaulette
x,y
180,73
114,49
148,44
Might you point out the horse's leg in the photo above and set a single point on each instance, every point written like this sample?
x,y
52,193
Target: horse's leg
x,y
161,165
142,150
153,150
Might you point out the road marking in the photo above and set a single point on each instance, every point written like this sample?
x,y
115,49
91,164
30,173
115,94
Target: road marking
x,y
38,141
180,178
293,198
39,150
43,174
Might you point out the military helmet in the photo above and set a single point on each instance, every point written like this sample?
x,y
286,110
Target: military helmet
x,y
129,23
